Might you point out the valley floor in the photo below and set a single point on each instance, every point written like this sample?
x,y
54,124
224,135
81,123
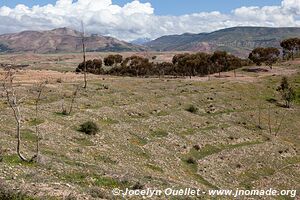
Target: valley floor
x,y
148,134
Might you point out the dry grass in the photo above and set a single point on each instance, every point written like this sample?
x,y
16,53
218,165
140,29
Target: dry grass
x,y
146,135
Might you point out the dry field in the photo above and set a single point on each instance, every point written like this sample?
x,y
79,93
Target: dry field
x,y
147,137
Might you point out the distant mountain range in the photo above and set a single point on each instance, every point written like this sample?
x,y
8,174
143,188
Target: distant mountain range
x,y
61,40
237,40
141,41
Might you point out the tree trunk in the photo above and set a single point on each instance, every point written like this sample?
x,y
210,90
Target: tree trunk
x,y
19,142
83,51
259,117
84,63
269,120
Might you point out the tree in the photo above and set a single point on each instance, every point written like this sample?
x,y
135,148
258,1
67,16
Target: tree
x,y
268,55
219,60
290,47
73,98
83,54
287,92
111,60
14,103
234,63
91,66
136,66
164,68
39,89
271,56
256,56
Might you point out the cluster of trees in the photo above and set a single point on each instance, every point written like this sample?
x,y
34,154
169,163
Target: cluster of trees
x,y
185,64
270,55
198,64
290,47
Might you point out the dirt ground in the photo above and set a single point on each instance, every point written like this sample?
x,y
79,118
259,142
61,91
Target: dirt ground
x,y
148,134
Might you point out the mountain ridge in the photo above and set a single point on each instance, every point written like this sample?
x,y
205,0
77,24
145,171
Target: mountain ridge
x,y
61,40
237,40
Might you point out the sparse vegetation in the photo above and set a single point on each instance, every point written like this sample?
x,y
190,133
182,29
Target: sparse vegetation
x,y
89,128
154,131
287,92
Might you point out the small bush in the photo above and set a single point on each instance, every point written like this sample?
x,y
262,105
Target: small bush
x,y
89,128
196,147
59,80
138,186
287,92
191,160
192,109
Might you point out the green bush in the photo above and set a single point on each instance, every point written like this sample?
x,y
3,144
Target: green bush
x,y
89,128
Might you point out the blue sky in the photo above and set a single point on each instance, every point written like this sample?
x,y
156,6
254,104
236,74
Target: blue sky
x,y
170,7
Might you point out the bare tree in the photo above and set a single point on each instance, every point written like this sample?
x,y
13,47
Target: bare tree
x,y
14,103
259,117
73,98
84,52
74,95
40,87
269,120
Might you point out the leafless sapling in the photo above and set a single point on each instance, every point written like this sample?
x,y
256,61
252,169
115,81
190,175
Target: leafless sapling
x,y
39,88
66,111
84,55
14,103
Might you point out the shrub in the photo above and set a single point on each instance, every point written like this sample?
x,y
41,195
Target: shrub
x,y
89,128
137,186
191,160
287,92
192,109
196,147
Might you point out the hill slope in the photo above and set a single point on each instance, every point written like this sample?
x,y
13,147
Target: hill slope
x,y
60,40
237,40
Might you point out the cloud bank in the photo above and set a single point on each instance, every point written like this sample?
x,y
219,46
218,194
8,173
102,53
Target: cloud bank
x,y
137,20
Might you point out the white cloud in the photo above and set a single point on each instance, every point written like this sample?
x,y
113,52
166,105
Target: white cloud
x,y
137,20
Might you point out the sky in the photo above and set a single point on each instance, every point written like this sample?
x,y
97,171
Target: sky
x,y
132,19
168,7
